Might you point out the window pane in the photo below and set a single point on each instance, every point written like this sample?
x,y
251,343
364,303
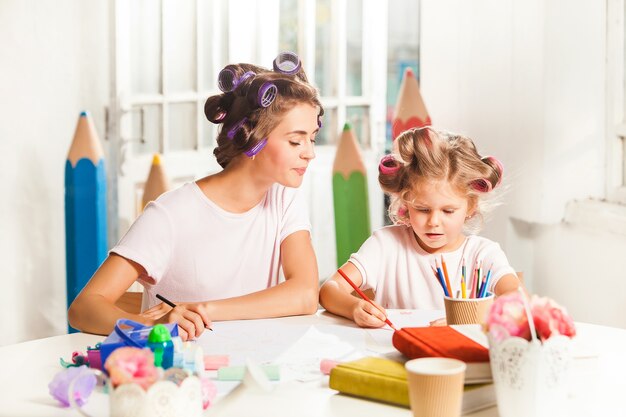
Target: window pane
x,y
206,54
288,26
328,133
402,50
209,133
146,129
182,127
324,60
180,45
145,46
359,118
354,51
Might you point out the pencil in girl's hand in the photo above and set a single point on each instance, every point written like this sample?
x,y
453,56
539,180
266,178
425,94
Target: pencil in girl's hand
x,y
362,294
171,304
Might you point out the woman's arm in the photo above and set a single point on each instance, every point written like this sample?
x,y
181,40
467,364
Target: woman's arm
x,y
297,295
336,297
94,309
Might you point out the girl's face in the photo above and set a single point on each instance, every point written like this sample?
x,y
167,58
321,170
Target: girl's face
x,y
437,215
290,147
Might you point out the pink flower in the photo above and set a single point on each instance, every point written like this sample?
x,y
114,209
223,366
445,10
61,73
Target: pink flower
x,y
550,318
507,317
130,364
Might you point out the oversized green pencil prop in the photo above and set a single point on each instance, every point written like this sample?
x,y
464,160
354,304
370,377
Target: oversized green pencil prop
x,y
352,218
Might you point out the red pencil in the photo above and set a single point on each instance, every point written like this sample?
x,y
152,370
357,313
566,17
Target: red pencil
x,y
362,294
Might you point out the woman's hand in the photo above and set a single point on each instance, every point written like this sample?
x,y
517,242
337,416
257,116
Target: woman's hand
x,y
365,314
192,318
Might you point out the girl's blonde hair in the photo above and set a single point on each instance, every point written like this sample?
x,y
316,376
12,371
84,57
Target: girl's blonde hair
x,y
245,124
426,154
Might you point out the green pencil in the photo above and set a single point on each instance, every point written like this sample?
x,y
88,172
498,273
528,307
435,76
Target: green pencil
x,y
352,219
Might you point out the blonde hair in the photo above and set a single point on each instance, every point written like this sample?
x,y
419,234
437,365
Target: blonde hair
x,y
426,154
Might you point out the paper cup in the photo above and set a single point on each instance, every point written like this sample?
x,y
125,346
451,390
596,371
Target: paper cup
x,y
467,310
435,386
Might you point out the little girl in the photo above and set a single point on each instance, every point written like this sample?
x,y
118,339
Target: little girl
x,y
215,247
436,182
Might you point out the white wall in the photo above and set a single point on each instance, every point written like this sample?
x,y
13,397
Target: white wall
x,y
526,80
54,62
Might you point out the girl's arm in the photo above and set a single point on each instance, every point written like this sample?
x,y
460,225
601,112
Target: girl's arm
x,y
506,284
297,295
94,309
336,297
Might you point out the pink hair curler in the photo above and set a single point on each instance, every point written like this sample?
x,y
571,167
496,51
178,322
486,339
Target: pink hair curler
x,y
388,165
499,167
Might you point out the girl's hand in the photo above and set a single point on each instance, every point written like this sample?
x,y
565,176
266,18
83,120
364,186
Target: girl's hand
x,y
192,318
439,322
365,314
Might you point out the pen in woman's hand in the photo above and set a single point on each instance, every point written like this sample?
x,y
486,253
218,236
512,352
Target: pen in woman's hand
x,y
171,304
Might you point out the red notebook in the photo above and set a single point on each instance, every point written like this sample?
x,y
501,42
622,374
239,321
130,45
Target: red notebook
x,y
446,342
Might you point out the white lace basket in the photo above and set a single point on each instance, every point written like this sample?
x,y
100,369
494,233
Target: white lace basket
x,y
530,377
163,399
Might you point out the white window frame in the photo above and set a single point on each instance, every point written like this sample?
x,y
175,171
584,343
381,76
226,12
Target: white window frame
x,y
615,106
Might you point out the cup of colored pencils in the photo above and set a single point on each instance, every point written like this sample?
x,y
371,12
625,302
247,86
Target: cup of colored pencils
x,y
467,310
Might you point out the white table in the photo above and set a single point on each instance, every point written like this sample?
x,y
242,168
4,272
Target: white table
x,y
598,385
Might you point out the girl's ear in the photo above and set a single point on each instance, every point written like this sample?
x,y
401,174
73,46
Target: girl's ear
x,y
472,203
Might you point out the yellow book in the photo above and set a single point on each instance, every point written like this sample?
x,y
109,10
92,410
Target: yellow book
x,y
385,380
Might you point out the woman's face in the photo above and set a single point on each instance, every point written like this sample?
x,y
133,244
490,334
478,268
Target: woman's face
x,y
437,214
290,147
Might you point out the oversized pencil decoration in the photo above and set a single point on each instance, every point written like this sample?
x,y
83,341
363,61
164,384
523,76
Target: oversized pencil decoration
x,y
85,207
410,110
352,218
157,182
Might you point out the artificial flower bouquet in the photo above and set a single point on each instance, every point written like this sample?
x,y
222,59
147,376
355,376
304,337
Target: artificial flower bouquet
x,y
530,353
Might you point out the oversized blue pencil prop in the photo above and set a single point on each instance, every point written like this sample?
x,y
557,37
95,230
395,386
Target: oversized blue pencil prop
x,y
85,208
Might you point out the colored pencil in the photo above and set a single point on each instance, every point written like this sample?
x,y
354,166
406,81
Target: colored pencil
x,y
445,274
85,207
410,110
473,291
442,280
463,284
171,304
362,294
483,291
157,182
443,284
350,200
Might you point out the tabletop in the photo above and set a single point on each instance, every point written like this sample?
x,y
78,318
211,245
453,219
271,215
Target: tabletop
x,y
597,383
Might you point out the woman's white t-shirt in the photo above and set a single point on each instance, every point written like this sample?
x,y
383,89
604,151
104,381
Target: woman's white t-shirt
x,y
193,250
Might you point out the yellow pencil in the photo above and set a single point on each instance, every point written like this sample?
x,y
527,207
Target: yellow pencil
x,y
463,284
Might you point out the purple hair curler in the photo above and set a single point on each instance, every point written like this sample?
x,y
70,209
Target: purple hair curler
x,y
233,130
267,94
287,63
227,80
256,148
319,122
388,165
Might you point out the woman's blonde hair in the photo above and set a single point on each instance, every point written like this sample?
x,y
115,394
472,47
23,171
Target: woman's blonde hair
x,y
426,154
